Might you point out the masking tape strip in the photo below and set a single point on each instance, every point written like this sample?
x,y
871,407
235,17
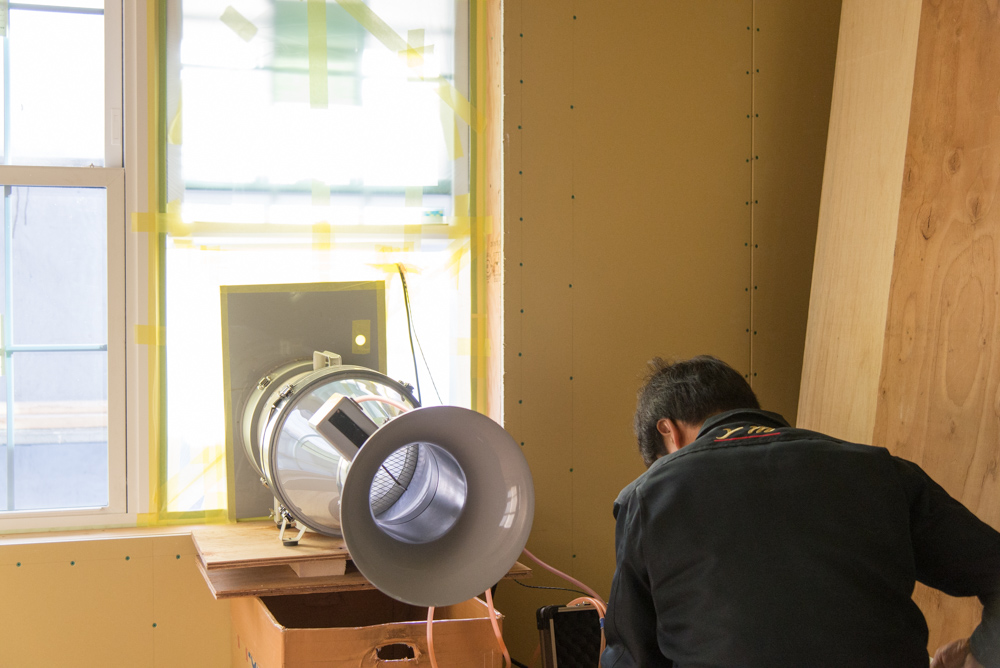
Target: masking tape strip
x,y
238,23
463,108
414,197
455,227
412,236
319,95
415,48
322,236
384,33
199,478
158,223
373,24
320,193
462,205
175,133
150,335
149,223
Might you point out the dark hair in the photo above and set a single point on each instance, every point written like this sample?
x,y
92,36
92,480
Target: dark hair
x,y
687,391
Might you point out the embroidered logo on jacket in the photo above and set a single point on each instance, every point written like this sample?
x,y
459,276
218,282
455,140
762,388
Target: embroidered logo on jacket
x,y
751,432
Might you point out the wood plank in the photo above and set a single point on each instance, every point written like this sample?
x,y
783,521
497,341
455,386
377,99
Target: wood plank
x,y
254,544
859,208
941,367
282,581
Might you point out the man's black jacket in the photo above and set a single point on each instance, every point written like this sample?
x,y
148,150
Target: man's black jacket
x,y
763,546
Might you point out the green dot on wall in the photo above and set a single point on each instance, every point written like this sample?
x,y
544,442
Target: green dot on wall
x,y
19,564
154,625
178,556
72,563
127,558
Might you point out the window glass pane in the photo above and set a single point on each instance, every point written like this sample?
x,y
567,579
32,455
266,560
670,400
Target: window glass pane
x,y
59,265
371,123
92,4
60,430
309,149
56,88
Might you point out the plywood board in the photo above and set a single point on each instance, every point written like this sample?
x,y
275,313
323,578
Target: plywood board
x,y
859,207
253,544
941,363
282,580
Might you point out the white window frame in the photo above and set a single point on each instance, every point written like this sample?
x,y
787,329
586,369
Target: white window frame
x,y
125,79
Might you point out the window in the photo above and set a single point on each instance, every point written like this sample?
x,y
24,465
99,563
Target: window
x,y
62,400
307,142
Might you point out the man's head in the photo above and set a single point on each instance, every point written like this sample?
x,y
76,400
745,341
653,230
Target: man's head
x,y
684,394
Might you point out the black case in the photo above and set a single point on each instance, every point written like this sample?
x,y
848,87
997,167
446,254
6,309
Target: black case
x,y
570,636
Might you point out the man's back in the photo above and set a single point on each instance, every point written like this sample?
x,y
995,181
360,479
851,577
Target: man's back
x,y
760,545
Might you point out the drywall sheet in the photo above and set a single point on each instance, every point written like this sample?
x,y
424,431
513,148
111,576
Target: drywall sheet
x,y
795,47
940,375
114,602
629,172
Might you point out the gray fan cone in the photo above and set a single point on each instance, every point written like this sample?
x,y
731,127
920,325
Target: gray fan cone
x,y
490,532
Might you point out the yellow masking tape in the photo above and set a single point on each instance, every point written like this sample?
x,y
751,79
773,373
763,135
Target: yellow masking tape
x,y
456,227
384,33
319,96
238,23
200,478
414,196
321,233
412,236
320,193
373,24
463,108
159,223
462,205
415,48
465,347
150,335
175,132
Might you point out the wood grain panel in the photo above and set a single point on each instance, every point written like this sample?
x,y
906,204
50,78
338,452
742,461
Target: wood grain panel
x,y
937,400
859,207
795,46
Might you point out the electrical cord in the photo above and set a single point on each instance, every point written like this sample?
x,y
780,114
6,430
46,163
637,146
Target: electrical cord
x,y
414,336
573,591
409,330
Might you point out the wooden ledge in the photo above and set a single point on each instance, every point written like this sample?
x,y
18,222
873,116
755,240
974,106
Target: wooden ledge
x,y
246,559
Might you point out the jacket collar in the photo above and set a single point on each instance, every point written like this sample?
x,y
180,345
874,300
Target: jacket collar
x,y
742,415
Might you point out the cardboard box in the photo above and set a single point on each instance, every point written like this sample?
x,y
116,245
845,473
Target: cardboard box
x,y
358,629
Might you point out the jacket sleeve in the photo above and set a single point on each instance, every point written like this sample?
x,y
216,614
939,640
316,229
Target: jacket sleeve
x,y
956,553
630,625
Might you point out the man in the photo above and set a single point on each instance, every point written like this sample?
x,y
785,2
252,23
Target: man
x,y
748,543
